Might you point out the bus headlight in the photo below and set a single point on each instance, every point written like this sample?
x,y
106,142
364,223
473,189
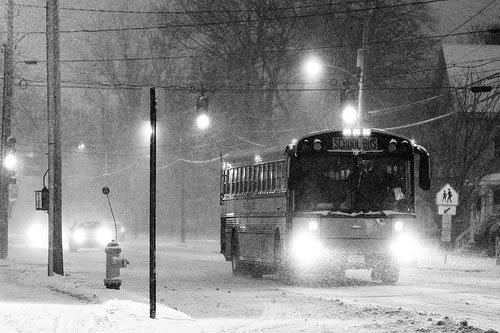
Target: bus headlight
x,y
305,248
405,248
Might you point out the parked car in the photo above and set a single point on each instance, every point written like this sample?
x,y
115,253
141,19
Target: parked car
x,y
92,234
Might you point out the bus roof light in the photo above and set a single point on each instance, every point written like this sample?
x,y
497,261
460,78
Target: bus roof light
x,y
347,132
392,145
367,132
405,146
356,131
317,144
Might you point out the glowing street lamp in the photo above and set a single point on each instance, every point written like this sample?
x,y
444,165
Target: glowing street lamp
x,y
10,161
203,121
146,129
350,115
313,66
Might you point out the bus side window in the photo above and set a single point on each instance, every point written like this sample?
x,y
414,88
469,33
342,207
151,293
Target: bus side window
x,y
241,175
270,176
231,181
225,181
265,177
247,169
237,182
250,178
261,177
274,176
256,179
278,176
240,179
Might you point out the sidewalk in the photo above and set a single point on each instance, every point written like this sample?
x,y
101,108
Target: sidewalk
x,y
434,257
30,303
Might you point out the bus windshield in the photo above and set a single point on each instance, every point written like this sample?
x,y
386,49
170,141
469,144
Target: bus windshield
x,y
353,183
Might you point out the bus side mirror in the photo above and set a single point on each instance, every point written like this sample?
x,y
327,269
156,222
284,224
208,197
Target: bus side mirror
x,y
424,172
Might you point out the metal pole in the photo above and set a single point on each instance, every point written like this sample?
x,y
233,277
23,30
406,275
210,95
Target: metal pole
x,y
361,64
152,207
8,93
183,196
55,253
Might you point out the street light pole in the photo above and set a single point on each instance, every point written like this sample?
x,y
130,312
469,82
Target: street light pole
x,y
152,206
55,251
361,64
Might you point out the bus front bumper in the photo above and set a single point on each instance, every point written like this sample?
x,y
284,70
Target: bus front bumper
x,y
307,252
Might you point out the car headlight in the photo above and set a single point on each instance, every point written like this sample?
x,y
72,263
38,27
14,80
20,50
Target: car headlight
x,y
104,236
79,236
37,235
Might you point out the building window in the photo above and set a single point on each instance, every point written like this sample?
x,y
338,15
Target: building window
x,y
496,200
496,197
497,146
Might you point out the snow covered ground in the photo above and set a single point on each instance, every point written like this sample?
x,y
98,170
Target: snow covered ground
x,y
33,303
30,301
114,315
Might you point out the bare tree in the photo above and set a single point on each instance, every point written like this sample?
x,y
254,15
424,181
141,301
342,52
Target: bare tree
x,y
463,146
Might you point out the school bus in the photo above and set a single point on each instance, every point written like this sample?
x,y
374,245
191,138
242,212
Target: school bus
x,y
333,200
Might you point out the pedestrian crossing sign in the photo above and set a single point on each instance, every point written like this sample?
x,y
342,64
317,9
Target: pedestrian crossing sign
x,y
447,196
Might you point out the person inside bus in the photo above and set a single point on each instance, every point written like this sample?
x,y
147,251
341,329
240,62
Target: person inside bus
x,y
377,188
311,192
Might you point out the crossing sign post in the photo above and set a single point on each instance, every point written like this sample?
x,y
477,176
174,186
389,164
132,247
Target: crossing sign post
x,y
447,202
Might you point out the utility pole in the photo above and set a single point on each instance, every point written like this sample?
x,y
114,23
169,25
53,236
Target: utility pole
x,y
8,93
361,64
55,251
152,206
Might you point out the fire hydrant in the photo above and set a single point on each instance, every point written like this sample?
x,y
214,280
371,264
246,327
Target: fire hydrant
x,y
113,265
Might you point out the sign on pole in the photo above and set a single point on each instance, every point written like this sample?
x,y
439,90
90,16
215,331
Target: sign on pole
x,y
447,196
447,202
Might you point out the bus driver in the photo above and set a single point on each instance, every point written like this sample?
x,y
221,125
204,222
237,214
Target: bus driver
x,y
377,188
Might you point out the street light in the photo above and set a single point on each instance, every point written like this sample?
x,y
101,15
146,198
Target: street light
x,y
313,67
350,115
203,121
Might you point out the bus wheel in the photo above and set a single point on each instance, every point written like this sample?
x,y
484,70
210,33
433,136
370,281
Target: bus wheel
x,y
255,271
282,268
388,273
236,264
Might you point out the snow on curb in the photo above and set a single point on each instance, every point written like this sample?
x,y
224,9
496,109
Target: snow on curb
x,y
113,315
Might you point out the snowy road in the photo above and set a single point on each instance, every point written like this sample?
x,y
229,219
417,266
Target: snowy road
x,y
195,279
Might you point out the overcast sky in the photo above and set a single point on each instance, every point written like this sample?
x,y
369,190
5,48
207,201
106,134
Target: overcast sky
x,y
455,13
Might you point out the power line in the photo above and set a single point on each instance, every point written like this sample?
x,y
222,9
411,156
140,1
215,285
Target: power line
x,y
473,16
242,21
174,12
421,122
297,49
